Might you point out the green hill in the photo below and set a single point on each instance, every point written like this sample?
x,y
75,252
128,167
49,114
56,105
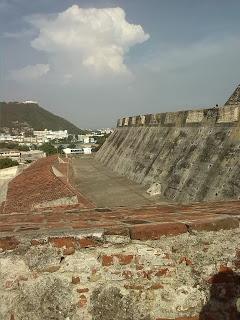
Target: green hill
x,y
36,117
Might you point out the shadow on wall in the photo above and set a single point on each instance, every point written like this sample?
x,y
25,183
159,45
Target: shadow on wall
x,y
224,300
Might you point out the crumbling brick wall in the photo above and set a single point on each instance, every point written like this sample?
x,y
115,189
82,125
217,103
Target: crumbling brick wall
x,y
125,267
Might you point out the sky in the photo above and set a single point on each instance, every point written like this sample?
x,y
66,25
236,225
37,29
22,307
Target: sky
x,y
94,61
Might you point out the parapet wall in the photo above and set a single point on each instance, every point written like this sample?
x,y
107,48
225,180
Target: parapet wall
x,y
193,155
152,263
213,116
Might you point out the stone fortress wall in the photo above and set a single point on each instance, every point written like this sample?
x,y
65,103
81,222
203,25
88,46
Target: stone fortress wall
x,y
192,155
201,117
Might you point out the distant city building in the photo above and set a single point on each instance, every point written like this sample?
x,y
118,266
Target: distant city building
x,y
86,138
39,137
76,151
20,139
48,135
106,130
12,154
22,156
87,150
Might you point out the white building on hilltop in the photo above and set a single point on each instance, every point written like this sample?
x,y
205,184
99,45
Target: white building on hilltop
x,y
30,102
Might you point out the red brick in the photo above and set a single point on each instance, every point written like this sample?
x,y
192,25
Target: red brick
x,y
37,242
127,274
107,260
124,259
161,272
83,290
68,251
146,274
186,260
43,186
82,301
88,243
223,268
156,286
63,242
139,267
156,231
6,228
8,243
75,280
9,283
133,287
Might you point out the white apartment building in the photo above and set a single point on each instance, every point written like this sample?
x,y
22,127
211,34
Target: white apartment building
x,y
86,138
84,150
5,137
21,139
106,130
12,154
47,135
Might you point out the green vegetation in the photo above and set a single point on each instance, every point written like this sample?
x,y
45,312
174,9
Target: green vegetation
x,y
16,146
60,149
48,148
7,163
100,141
72,146
36,117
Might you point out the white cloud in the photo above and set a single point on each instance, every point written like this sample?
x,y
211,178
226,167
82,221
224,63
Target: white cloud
x,y
97,39
30,72
18,35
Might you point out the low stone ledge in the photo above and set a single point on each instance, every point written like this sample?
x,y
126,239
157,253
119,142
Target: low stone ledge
x,y
214,224
119,225
156,231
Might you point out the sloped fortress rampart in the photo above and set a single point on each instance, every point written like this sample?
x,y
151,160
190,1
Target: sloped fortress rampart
x,y
193,155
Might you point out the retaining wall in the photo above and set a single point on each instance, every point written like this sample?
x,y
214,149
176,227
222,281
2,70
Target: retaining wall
x,y
193,155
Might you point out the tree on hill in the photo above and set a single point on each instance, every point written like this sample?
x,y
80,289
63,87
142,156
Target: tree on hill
x,y
60,149
23,148
48,148
13,145
72,146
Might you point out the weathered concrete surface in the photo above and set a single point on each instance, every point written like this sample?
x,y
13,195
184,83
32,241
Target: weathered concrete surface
x,y
151,263
193,155
6,175
105,188
115,277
